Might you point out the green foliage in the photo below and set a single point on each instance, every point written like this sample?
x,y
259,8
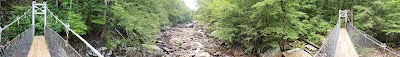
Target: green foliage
x,y
138,20
257,25
142,20
262,23
68,15
111,43
93,11
17,28
381,16
75,21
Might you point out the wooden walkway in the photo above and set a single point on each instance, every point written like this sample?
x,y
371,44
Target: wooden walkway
x,y
39,47
345,47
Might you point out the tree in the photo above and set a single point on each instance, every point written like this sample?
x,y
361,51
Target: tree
x,y
263,23
142,20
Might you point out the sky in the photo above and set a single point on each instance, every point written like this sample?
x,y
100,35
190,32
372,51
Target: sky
x,y
191,4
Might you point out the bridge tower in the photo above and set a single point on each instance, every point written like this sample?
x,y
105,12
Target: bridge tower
x,y
39,9
344,14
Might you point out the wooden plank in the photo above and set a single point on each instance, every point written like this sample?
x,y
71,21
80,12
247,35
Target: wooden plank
x,y
39,47
345,47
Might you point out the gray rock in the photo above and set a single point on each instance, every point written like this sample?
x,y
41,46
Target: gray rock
x,y
168,56
159,41
203,54
297,52
311,47
228,56
167,49
103,48
109,52
272,53
156,49
217,53
133,52
156,52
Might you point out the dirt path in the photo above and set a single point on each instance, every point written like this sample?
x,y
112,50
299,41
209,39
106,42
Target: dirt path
x,y
190,40
345,47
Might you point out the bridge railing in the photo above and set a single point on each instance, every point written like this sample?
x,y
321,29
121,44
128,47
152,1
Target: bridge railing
x,y
15,45
328,47
19,46
58,47
367,45
13,22
76,34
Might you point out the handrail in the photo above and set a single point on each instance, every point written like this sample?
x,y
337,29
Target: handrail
x,y
370,38
18,18
76,34
375,41
326,39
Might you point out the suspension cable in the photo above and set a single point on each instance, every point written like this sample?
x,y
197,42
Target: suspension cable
x,y
18,18
375,41
77,35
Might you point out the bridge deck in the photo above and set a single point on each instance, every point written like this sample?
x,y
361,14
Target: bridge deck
x,y
39,47
345,47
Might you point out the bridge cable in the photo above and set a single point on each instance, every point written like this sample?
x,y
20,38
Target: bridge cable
x,y
375,41
77,35
18,18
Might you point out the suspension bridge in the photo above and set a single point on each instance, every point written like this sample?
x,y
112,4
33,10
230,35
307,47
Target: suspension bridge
x,y
51,44
352,42
341,42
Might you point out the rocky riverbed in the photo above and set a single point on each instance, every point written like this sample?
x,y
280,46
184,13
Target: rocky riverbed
x,y
183,40
189,39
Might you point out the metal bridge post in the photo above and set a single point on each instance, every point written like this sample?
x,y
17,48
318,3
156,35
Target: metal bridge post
x,y
1,32
18,25
45,15
67,31
33,16
339,17
343,14
41,10
77,35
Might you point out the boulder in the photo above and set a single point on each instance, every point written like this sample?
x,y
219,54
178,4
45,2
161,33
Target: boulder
x,y
156,52
217,53
272,53
203,54
133,52
102,50
297,52
311,47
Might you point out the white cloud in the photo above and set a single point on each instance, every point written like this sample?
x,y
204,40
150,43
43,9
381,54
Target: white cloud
x,y
191,4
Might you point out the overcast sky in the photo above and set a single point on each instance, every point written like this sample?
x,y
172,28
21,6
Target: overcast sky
x,y
191,4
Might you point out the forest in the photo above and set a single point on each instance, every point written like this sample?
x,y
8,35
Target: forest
x,y
250,28
263,24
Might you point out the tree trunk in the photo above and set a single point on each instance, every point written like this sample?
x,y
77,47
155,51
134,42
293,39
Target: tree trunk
x,y
1,13
1,10
105,12
57,3
141,36
282,44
